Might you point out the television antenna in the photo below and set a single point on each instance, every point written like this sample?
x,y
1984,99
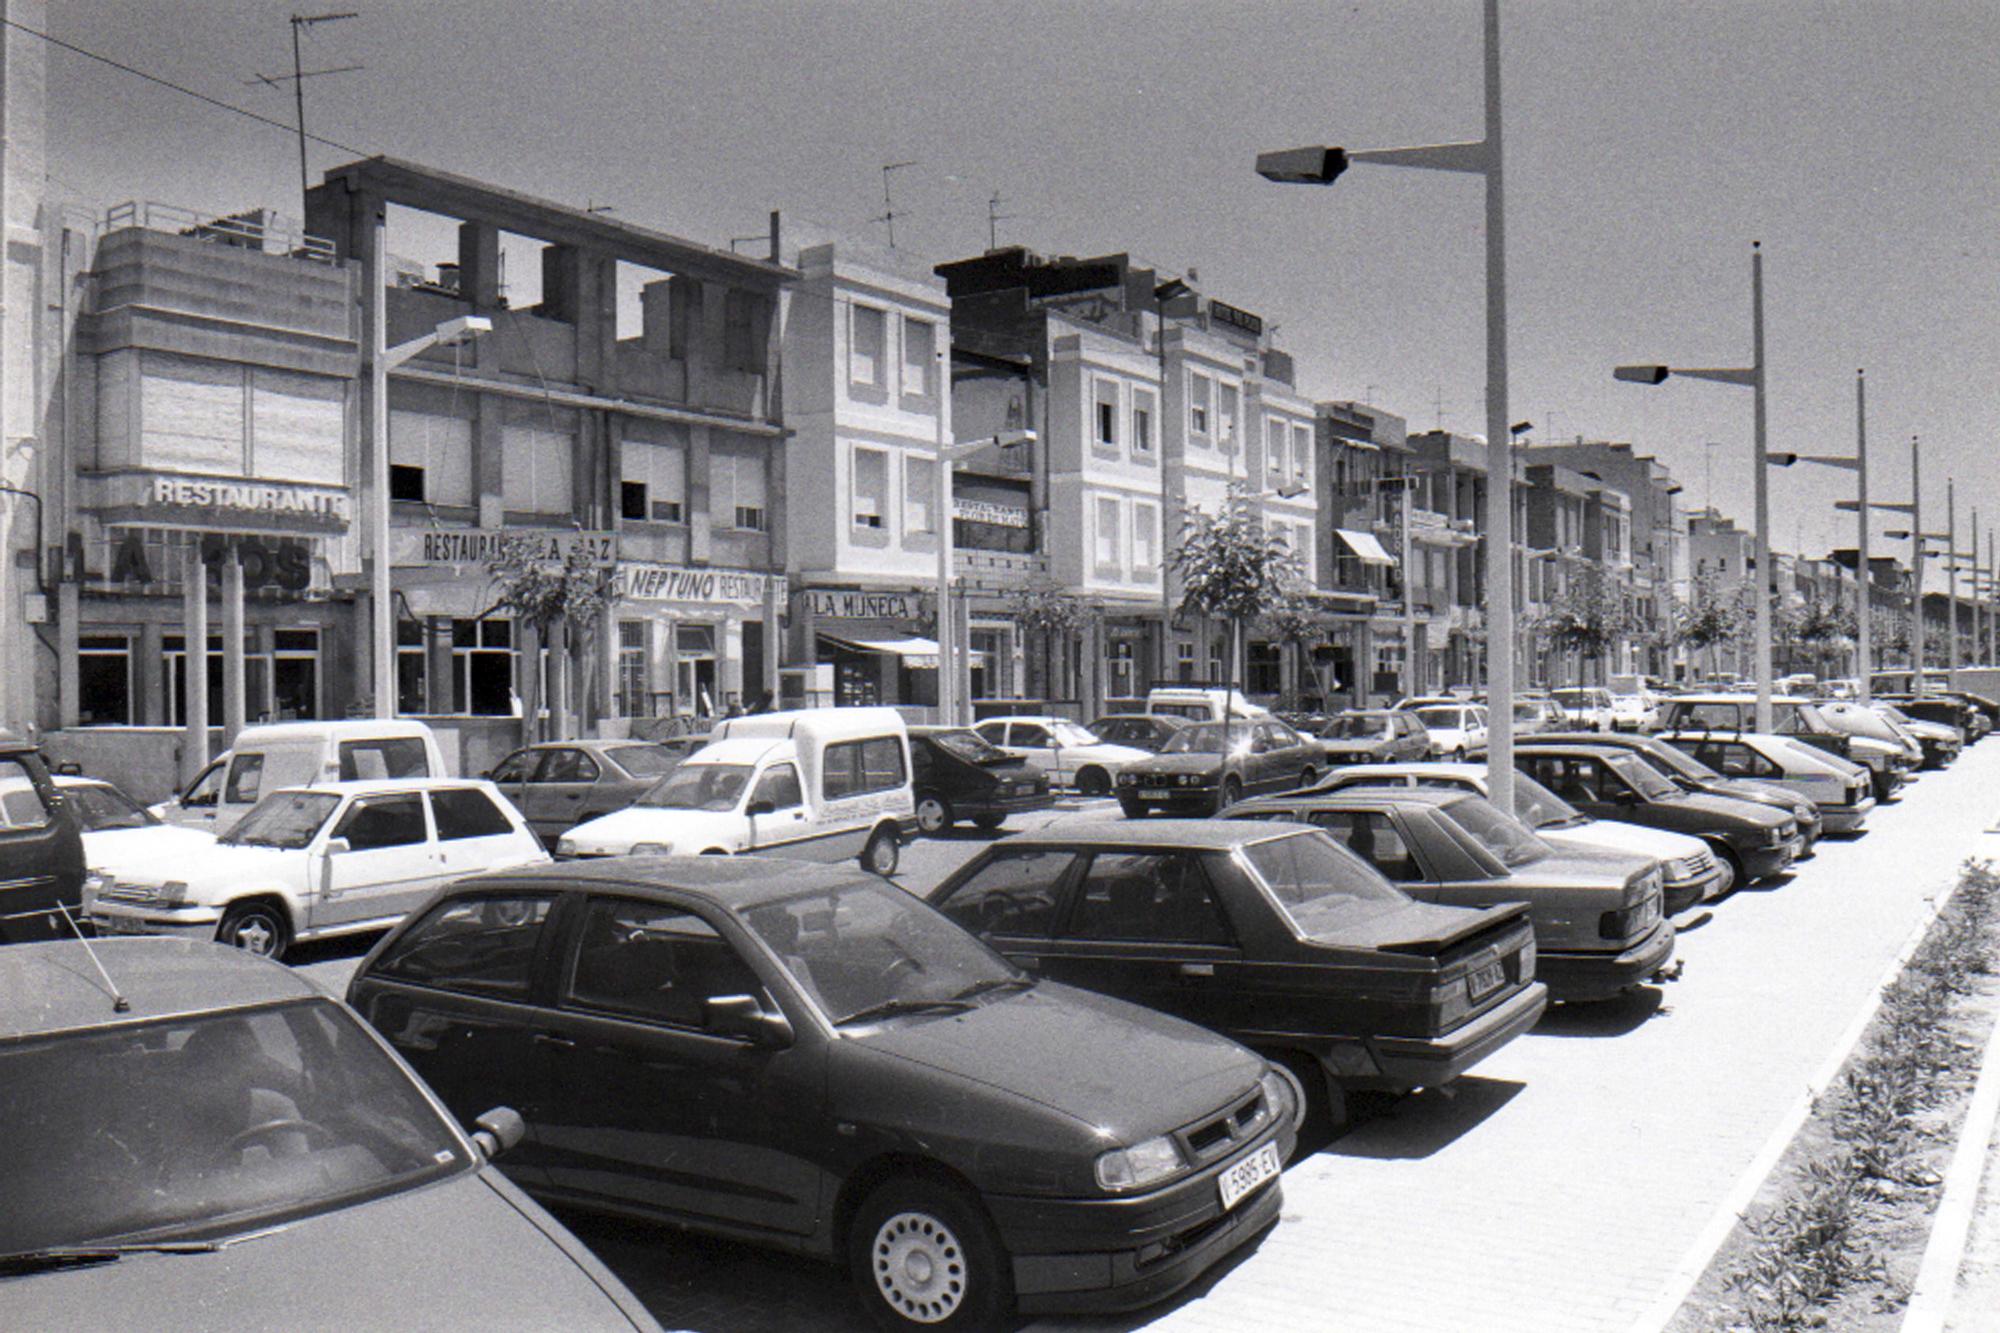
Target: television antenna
x,y
297,78
888,205
994,217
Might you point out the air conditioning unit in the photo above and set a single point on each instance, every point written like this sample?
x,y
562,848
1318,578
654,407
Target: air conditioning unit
x,y
806,686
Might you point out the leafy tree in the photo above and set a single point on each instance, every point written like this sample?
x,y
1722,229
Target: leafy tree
x,y
1053,615
559,595
1299,623
1589,619
1232,568
1825,627
1711,618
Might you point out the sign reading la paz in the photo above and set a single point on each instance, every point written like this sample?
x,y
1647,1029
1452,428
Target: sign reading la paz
x,y
477,546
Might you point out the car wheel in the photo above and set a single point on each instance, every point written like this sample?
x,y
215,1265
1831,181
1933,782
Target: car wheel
x,y
1133,808
1093,782
989,822
883,852
1307,777
933,814
258,928
1732,866
1325,1101
923,1255
1232,791
1457,756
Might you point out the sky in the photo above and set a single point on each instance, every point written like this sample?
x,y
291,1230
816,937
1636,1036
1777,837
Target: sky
x,y
1648,143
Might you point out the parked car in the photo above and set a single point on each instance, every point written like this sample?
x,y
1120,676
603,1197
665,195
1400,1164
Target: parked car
x,y
1411,702
1585,708
227,1147
1072,756
117,830
1269,934
1201,703
821,784
311,863
1604,782
1688,869
1887,761
956,774
1454,728
1840,793
1862,725
301,754
833,1068
1374,736
1213,764
1536,714
1635,711
557,785
1951,708
41,848
1938,743
1678,766
1141,731
1600,924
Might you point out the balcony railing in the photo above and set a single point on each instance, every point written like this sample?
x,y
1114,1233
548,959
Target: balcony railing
x,y
254,230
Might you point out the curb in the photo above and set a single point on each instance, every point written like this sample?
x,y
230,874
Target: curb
x,y
1951,1225
1681,1282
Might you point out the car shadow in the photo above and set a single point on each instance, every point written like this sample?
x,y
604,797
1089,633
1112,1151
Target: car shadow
x,y
1427,1121
1766,885
1604,1018
1194,1291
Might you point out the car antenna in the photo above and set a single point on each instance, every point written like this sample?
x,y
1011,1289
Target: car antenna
x,y
119,1004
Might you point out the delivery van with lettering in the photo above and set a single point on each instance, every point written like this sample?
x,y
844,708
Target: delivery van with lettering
x,y
820,784
301,754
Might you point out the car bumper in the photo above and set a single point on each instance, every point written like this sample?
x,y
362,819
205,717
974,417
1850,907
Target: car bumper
x,y
1599,976
1846,818
1101,1255
973,808
1190,800
1429,1062
1678,895
197,923
1764,862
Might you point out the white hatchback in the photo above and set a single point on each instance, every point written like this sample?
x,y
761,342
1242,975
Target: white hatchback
x,y
1070,754
1454,727
311,862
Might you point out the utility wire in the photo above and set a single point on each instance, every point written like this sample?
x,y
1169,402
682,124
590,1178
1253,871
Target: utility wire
x,y
245,112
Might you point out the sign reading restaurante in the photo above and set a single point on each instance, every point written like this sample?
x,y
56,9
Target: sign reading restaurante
x,y
477,546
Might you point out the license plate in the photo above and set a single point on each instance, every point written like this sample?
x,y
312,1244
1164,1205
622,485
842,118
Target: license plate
x,y
1486,979
1248,1174
119,925
1156,793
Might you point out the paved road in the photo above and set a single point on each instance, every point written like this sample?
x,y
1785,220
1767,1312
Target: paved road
x,y
1556,1189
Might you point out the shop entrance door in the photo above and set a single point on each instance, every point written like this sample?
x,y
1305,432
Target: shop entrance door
x,y
694,669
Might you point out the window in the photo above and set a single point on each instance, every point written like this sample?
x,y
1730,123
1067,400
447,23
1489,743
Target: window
x,y
384,757
482,662
654,486
514,768
1107,535
1030,736
1184,661
482,945
1107,413
1302,444
871,487
736,490
919,355
853,768
634,699
535,470
467,812
437,449
1373,837
1229,408
1152,896
1274,446
919,494
653,961
1142,421
21,806
1013,894
1145,553
867,329
779,788
566,765
246,775
383,821
1199,387
406,482
104,679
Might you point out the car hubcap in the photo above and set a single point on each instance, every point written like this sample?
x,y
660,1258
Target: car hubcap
x,y
919,1268
256,936
930,814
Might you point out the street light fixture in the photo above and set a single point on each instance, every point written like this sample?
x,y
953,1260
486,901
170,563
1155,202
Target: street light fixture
x,y
1751,377
947,455
1483,157
1858,465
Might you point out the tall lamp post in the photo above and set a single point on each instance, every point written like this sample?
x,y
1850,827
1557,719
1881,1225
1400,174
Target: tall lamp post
x,y
949,709
1483,157
1752,377
1173,289
1858,465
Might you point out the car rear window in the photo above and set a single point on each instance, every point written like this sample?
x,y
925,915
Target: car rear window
x,y
467,812
854,768
1319,884
21,805
645,761
384,757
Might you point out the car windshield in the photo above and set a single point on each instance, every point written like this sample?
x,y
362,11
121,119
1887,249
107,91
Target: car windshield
x,y
1440,719
205,1127
282,819
103,807
1320,885
971,746
1357,727
1528,708
1645,779
1207,738
1538,807
1668,755
1856,721
1069,733
870,949
645,761
1508,839
699,787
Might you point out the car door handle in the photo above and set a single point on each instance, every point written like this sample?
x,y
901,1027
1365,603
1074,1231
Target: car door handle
x,y
551,1039
1197,969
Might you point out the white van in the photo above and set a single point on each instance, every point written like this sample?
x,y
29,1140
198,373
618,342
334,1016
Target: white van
x,y
1200,703
821,784
301,754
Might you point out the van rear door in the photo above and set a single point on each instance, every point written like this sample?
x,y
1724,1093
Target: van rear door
x,y
41,852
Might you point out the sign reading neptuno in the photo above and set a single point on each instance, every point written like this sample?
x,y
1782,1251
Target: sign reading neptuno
x,y
706,587
830,604
477,546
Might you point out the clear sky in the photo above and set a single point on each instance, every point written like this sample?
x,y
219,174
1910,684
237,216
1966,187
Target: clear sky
x,y
1649,141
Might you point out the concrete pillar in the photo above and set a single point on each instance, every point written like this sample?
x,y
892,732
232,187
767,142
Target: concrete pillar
x,y
479,265
194,711
68,704
438,664
232,645
607,667
773,643
263,704
152,706
729,662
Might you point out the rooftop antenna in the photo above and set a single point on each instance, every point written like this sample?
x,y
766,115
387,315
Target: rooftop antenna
x,y
994,217
119,1004
298,78
888,206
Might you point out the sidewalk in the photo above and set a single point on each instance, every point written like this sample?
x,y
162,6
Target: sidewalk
x,y
1975,1306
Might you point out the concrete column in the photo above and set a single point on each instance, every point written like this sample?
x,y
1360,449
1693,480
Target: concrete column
x,y
263,706
774,643
194,713
232,645
479,265
152,706
438,664
528,660
729,662
68,703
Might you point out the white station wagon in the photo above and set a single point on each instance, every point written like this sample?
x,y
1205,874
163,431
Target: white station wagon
x,y
310,862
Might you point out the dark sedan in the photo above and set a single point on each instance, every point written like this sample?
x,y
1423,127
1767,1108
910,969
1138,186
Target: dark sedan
x,y
1141,731
815,1059
1691,774
1599,917
1211,765
557,785
1374,736
1274,936
1758,841
959,774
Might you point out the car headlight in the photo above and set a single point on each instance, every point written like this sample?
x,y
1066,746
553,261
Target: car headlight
x,y
1128,779
1277,1096
171,894
94,883
565,847
1136,1167
651,849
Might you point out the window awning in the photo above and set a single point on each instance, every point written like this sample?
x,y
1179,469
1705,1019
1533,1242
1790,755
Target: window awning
x,y
917,654
1364,545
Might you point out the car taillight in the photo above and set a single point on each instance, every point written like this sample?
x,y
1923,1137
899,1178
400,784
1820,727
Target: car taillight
x,y
1452,1001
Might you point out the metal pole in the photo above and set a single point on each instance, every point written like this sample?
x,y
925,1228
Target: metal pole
x,y
1916,570
1410,678
1951,582
1864,571
379,595
947,715
1499,455
299,96
1761,469
1164,666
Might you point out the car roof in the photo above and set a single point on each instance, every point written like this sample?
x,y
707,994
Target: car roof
x,y
1738,697
368,786
1593,747
599,743
731,881
59,988
1431,796
1203,834
335,730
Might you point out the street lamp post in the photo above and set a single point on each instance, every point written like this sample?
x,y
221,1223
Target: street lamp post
x,y
950,711
1173,289
1752,377
1859,466
1483,157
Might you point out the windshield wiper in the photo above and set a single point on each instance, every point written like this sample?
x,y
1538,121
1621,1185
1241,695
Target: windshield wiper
x,y
75,1256
890,1008
992,984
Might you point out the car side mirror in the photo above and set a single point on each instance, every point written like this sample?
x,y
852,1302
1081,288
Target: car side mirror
x,y
487,776
338,846
760,808
743,1017
1625,796
499,1130
69,769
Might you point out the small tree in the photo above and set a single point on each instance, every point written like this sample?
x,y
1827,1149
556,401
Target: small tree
x,y
556,593
1297,622
1232,568
1826,628
1589,619
1710,619
1053,615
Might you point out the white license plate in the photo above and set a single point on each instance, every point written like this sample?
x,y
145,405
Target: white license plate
x,y
119,925
1487,979
1155,793
1248,1174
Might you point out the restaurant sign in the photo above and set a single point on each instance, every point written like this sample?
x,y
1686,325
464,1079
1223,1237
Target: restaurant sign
x,y
479,546
985,511
219,504
837,604
699,586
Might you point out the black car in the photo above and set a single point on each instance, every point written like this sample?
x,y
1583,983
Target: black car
x,y
1269,934
41,848
959,774
1141,731
1691,774
817,1060
1212,765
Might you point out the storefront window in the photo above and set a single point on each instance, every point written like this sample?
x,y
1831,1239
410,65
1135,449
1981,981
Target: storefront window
x,y
633,698
482,667
104,679
412,670
1262,671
